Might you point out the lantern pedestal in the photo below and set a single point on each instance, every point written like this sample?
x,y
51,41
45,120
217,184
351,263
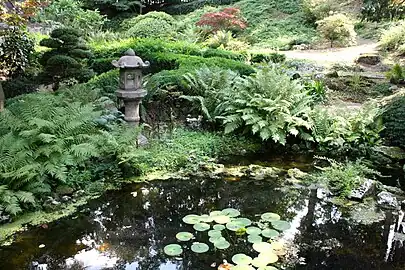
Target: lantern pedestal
x,y
132,100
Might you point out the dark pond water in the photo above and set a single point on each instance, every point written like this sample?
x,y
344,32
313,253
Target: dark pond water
x,y
123,231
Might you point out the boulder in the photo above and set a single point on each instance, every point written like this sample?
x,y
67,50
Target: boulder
x,y
64,190
393,152
369,59
296,173
387,200
367,188
259,173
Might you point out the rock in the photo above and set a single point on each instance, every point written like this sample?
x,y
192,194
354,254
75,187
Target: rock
x,y
259,173
323,193
393,88
394,190
79,193
387,200
369,59
142,140
296,173
66,198
215,169
395,153
64,190
333,74
367,188
51,204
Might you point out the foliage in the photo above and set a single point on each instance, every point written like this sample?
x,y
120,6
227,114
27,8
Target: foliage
x,y
275,24
393,39
204,90
316,10
113,7
68,57
377,10
342,178
228,19
15,51
337,28
185,149
43,137
71,13
270,57
151,25
316,89
394,121
225,40
268,104
344,131
396,74
17,13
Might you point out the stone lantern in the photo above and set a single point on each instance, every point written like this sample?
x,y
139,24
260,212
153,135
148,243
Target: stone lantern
x,y
130,84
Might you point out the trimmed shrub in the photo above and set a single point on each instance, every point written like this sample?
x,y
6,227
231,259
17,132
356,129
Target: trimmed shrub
x,y
337,29
271,57
394,121
151,25
68,57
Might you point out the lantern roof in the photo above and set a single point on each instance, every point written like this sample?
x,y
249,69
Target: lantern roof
x,y
130,60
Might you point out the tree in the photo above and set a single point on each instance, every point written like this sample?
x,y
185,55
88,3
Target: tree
x,y
16,13
229,19
337,28
68,57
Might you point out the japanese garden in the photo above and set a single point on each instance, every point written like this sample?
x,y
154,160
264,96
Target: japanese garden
x,y
202,134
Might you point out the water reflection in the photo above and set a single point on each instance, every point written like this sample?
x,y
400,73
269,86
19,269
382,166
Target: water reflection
x,y
128,230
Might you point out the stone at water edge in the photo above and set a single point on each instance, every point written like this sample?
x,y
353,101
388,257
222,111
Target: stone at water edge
x,y
367,188
387,200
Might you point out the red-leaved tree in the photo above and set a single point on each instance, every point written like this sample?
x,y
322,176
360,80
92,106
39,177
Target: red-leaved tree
x,y
229,19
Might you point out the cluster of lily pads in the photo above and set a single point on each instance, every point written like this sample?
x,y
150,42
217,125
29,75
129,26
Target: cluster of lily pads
x,y
261,234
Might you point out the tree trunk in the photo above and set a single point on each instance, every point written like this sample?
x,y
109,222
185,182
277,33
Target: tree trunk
x,y
2,98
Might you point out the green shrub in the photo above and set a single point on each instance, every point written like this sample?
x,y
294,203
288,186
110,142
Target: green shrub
x,y
394,121
342,178
377,10
43,137
316,89
270,57
316,10
225,40
393,38
337,29
67,59
151,25
344,131
16,48
71,13
396,74
106,83
268,104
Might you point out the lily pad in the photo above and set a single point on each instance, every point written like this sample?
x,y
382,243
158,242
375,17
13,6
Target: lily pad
x,y
173,250
201,227
217,239
270,217
222,219
230,212
191,219
216,213
253,238
234,226
253,230
219,227
214,233
241,259
268,257
281,225
244,221
184,236
269,233
263,247
206,218
277,245
222,244
198,247
260,262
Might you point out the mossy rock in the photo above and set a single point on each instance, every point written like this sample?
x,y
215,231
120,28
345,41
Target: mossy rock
x,y
64,190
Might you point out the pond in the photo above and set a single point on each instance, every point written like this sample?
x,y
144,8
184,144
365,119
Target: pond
x,y
128,229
